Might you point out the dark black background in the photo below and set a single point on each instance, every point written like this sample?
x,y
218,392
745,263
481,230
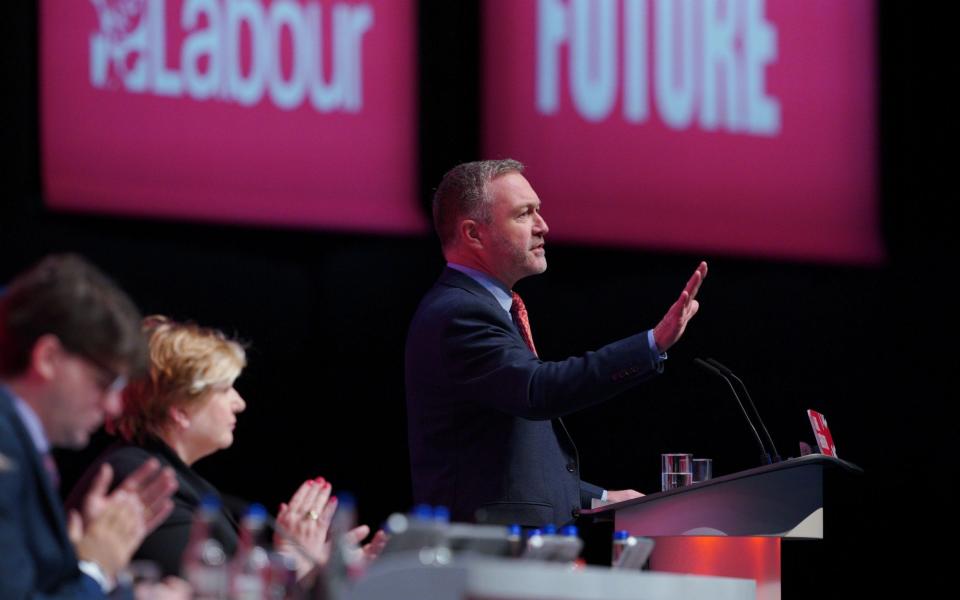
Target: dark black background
x,y
326,315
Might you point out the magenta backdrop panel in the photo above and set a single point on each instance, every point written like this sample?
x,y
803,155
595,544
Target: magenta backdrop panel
x,y
733,126
281,112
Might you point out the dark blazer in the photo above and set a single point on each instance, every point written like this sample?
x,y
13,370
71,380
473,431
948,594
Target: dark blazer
x,y
167,543
37,559
483,411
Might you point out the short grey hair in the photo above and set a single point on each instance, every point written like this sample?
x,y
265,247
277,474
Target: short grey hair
x,y
463,194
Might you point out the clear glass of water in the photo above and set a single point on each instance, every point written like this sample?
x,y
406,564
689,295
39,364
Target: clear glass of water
x,y
702,469
676,470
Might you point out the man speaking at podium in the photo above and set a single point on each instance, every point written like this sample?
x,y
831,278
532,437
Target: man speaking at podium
x,y
483,410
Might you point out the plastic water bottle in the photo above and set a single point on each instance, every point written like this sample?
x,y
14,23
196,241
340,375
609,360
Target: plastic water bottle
x,y
422,512
345,564
250,569
515,540
441,515
633,551
619,542
548,545
204,562
568,545
283,577
535,548
443,553
425,531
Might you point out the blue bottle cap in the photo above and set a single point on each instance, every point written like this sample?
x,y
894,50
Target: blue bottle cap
x,y
621,535
346,499
534,532
210,502
441,514
256,511
514,530
550,529
569,531
422,511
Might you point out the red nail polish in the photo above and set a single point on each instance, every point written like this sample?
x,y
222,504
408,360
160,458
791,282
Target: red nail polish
x,y
320,480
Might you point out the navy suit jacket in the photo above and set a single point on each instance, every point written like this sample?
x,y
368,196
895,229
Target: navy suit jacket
x,y
483,411
37,559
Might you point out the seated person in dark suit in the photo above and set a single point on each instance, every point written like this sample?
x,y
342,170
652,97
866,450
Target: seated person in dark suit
x,y
187,409
68,339
483,409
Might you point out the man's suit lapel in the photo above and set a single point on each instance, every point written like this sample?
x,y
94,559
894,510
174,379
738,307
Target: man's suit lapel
x,y
52,506
454,278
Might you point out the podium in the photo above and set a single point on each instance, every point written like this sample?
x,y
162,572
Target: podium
x,y
732,526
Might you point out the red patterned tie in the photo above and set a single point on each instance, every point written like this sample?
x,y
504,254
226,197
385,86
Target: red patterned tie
x,y
519,313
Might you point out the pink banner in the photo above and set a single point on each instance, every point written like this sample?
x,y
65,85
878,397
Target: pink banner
x,y
732,126
286,112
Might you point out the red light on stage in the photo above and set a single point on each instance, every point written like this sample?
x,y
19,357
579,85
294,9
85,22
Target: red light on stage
x,y
749,556
756,558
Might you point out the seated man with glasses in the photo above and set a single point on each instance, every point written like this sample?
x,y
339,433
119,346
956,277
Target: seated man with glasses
x,y
69,338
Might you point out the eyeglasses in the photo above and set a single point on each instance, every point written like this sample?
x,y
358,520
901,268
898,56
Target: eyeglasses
x,y
109,381
106,379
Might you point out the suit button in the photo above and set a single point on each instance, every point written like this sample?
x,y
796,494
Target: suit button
x,y
575,513
572,467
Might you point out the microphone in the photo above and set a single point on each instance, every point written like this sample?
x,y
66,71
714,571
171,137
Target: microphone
x,y
743,386
764,455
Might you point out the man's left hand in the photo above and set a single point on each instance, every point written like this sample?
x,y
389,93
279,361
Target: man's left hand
x,y
671,327
622,495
